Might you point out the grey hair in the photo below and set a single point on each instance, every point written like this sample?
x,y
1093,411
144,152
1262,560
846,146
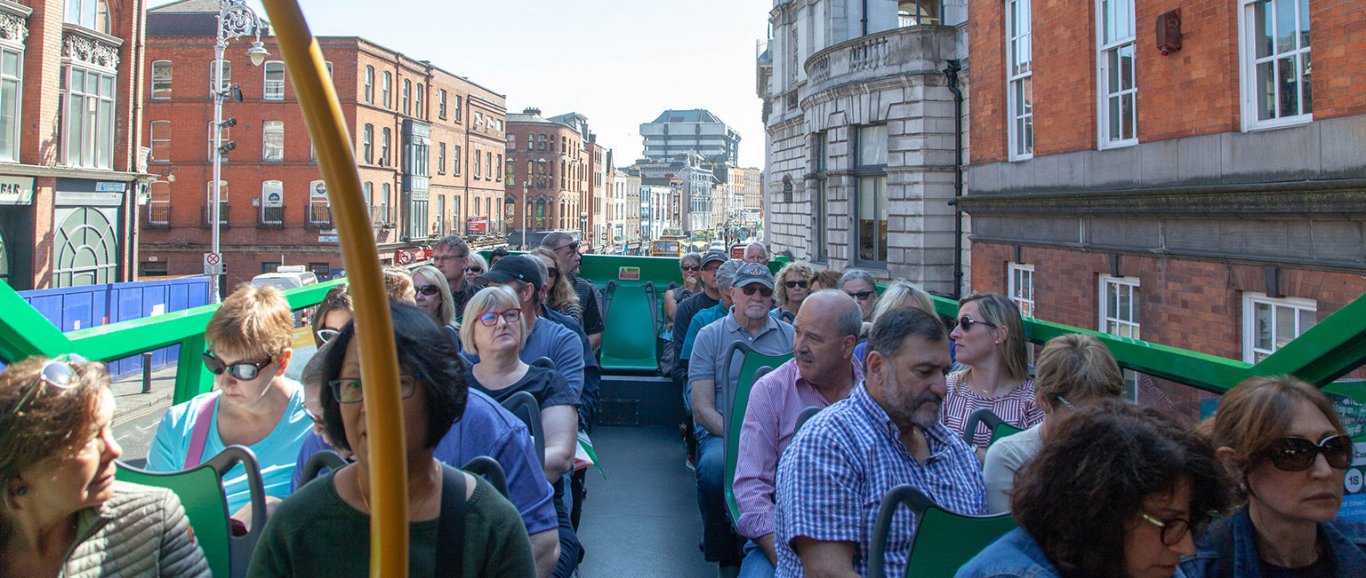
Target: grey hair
x,y
453,242
759,245
550,241
856,275
892,329
725,274
691,256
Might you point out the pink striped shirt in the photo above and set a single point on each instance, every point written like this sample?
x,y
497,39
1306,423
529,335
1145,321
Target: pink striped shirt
x,y
1016,408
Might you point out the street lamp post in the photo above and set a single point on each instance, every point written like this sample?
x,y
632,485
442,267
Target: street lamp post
x,y
235,20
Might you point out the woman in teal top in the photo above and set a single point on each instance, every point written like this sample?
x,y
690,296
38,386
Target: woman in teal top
x,y
324,529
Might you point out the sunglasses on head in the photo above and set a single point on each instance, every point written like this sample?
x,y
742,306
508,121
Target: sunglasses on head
x,y
967,322
795,284
57,373
861,295
490,318
750,289
242,370
1297,454
325,335
429,290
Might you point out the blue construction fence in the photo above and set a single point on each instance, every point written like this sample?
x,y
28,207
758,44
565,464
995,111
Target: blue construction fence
x,y
74,308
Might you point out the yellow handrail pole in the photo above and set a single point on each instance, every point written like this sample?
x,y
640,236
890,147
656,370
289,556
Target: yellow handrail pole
x,y
379,359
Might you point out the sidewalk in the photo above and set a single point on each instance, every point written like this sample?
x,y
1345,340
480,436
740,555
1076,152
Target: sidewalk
x,y
132,404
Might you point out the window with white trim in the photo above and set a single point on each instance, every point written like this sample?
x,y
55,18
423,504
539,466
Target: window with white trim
x,y
369,84
441,158
1020,284
222,201
161,79
319,209
417,101
1019,79
1269,323
273,140
272,202
385,139
159,204
226,131
441,104
1119,316
161,141
1118,98
11,87
1276,70
407,96
88,133
367,143
386,90
274,72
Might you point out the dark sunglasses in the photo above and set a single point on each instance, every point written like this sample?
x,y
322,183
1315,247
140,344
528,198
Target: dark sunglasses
x,y
690,268
242,370
325,335
490,318
861,295
795,284
1297,454
571,246
473,269
429,290
351,390
57,373
967,322
750,289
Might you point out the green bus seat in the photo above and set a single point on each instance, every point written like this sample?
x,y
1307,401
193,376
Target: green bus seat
x,y
491,470
733,412
943,540
628,343
200,490
805,415
317,462
999,427
523,405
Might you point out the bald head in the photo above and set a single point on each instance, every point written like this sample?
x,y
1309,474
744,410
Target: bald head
x,y
827,328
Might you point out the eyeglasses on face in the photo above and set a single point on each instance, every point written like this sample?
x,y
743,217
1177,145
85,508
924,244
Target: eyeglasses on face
x,y
795,284
325,334
57,373
350,390
439,259
1297,454
860,295
242,370
1173,531
429,290
967,322
750,289
490,318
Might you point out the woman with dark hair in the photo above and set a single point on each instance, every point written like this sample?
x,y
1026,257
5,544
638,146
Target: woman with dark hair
x,y
1270,432
560,296
332,314
324,528
496,255
1117,491
61,512
990,341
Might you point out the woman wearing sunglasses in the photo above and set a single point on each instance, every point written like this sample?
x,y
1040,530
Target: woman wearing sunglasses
x,y
560,296
324,528
990,341
1287,450
794,284
475,266
689,267
1118,491
61,512
433,294
253,404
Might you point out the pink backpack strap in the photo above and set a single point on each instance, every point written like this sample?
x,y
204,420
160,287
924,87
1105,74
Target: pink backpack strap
x,y
200,436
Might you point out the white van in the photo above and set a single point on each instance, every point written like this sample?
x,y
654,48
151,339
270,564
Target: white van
x,y
285,280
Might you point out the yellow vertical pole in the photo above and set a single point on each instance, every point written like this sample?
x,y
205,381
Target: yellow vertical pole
x,y
379,360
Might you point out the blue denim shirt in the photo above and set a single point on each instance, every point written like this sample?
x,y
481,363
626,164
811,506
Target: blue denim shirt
x,y
1015,554
1345,537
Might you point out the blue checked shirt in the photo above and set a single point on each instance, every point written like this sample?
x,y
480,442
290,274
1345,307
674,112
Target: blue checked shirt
x,y
832,477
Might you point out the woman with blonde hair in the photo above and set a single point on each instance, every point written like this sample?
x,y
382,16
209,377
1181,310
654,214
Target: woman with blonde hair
x,y
791,286
433,294
990,341
560,296
898,295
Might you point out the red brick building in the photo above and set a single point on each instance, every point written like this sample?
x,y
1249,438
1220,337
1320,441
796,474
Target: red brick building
x,y
1207,194
427,143
548,162
70,168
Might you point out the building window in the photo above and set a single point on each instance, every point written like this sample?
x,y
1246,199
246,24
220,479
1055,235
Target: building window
x,y
1269,324
417,103
161,79
385,190
478,119
477,164
222,202
319,211
916,12
92,14
368,144
272,202
88,137
161,140
441,158
367,191
386,90
455,160
407,96
1275,60
225,81
159,204
273,140
1115,58
441,104
275,81
11,87
870,173
820,222
488,165
385,139
459,111
1119,316
369,85
499,167
1021,287
1019,79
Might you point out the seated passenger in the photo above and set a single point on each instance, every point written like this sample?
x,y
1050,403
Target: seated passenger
x,y
860,285
748,322
899,294
706,299
566,251
477,265
398,283
324,529
1074,369
542,339
792,286
332,314
560,294
433,295
825,279
725,279
886,433
820,373
61,512
756,253
688,267
316,441
548,267
1116,491
496,255
253,405
1269,432
990,341
451,256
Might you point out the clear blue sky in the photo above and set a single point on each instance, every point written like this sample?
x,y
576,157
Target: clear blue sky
x,y
618,62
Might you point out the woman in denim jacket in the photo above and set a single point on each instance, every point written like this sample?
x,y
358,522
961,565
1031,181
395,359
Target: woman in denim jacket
x,y
1270,432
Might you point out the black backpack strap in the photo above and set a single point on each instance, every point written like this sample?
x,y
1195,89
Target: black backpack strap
x,y
450,533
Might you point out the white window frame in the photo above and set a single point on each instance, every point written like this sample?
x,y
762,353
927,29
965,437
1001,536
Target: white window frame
x,y
1104,308
1247,66
93,149
279,187
13,83
168,84
1022,296
317,201
164,140
1125,38
1250,302
1021,79
272,89
369,84
386,90
266,131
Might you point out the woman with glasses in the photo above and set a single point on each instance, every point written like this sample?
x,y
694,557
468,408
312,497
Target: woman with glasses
x,y
860,285
324,528
433,294
560,294
61,512
1073,370
1118,491
690,267
990,341
898,295
475,266
793,285
1284,445
332,314
253,404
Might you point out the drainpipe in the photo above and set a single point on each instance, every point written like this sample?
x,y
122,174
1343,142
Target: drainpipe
x,y
864,20
951,75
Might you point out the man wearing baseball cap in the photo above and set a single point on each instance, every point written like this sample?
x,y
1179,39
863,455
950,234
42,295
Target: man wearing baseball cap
x,y
749,322
706,299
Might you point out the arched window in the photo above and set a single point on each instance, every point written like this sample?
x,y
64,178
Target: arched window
x,y
917,12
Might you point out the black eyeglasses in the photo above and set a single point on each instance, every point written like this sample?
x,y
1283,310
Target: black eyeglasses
x,y
1297,454
795,284
571,246
490,318
1172,530
351,391
750,289
242,370
967,322
57,373
325,335
861,295
429,290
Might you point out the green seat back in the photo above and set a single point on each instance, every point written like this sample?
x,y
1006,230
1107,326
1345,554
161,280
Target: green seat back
x,y
945,541
205,506
735,417
628,342
1003,430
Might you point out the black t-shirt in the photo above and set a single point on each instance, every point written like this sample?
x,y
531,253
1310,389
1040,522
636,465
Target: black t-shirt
x,y
588,301
462,297
682,318
548,387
